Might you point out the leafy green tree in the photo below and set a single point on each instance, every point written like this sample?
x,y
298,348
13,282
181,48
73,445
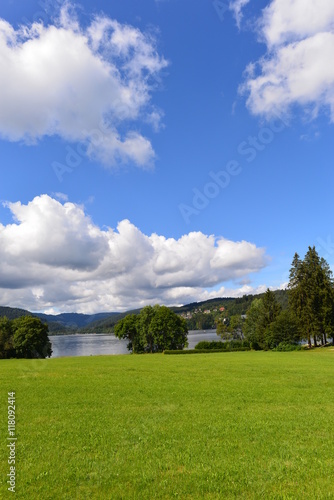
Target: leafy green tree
x,y
168,329
30,338
6,339
231,328
127,328
261,315
154,329
222,328
283,329
253,327
144,327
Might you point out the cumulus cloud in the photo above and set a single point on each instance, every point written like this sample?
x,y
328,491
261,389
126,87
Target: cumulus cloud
x,y
54,256
91,85
297,68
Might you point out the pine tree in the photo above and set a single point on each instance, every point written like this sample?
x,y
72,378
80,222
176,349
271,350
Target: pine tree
x,y
311,296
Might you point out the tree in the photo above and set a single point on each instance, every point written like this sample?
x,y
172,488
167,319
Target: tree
x,y
30,338
231,328
327,303
127,328
261,315
271,308
168,329
283,329
144,327
253,325
154,329
6,339
311,296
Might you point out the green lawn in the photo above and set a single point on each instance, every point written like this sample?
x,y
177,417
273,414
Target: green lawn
x,y
232,425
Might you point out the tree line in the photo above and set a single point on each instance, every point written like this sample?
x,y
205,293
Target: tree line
x,y
24,337
309,314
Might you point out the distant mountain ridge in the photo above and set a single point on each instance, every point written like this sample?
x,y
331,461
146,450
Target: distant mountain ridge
x,y
75,320
66,323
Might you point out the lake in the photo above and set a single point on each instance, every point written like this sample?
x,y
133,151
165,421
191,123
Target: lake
x,y
91,344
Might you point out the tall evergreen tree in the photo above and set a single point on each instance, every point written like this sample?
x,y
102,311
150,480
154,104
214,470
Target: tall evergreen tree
x,y
327,302
311,296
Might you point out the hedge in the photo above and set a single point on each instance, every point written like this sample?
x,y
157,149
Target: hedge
x,y
230,345
206,351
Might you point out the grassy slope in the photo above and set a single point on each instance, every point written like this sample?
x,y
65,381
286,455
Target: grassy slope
x,y
233,425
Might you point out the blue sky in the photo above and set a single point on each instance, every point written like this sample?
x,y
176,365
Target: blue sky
x,y
162,151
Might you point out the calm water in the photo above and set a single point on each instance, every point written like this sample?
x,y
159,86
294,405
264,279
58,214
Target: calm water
x,y
92,344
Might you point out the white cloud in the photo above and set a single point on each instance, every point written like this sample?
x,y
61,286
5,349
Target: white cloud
x,y
290,21
53,256
297,68
236,6
80,83
61,196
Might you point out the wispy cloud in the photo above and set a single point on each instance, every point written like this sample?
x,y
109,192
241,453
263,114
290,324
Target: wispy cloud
x,y
236,7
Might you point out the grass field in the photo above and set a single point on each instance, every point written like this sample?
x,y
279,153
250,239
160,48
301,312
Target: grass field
x,y
232,425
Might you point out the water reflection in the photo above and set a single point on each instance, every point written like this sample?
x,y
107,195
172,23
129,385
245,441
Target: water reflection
x,y
91,344
195,336
87,345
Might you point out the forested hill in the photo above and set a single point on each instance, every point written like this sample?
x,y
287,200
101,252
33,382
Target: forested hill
x,y
60,323
199,315
13,312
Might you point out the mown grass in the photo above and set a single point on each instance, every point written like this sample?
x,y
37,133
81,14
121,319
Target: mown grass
x,y
233,425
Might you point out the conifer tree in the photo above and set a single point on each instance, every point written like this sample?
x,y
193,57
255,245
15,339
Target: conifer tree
x,y
311,296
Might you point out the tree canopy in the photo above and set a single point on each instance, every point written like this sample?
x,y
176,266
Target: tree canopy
x,y
24,337
261,317
154,329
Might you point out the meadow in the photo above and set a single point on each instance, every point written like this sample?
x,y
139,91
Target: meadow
x,y
247,425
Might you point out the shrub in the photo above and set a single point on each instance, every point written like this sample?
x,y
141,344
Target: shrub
x,y
285,347
226,346
206,351
194,351
211,345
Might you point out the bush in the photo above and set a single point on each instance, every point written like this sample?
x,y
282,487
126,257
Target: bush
x,y
206,351
285,347
194,351
225,346
211,345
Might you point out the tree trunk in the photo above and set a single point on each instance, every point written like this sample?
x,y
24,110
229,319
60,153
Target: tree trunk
x,y
309,341
315,341
325,338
